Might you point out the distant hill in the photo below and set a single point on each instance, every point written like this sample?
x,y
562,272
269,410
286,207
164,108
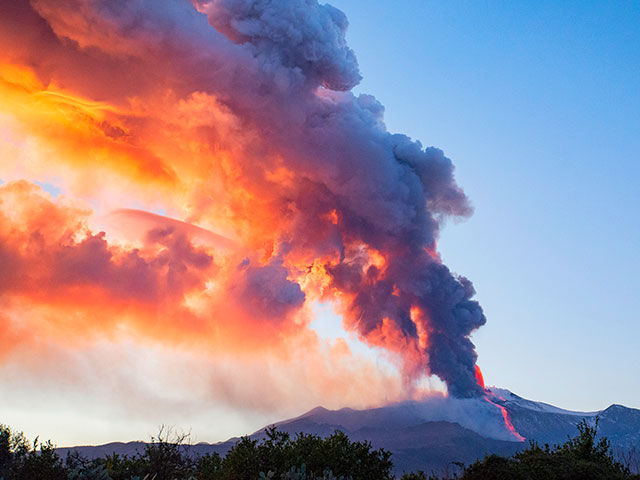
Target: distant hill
x,y
431,434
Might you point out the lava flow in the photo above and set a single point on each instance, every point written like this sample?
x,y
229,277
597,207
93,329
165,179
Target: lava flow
x,y
479,377
489,395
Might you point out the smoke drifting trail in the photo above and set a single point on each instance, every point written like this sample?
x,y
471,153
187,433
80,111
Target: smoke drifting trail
x,y
274,147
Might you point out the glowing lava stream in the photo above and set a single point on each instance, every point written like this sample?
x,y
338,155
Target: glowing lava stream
x,y
503,410
480,378
507,420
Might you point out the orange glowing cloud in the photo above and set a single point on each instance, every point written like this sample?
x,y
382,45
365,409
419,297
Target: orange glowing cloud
x,y
53,261
65,286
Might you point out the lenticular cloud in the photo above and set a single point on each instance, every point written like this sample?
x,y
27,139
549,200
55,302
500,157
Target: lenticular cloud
x,y
237,116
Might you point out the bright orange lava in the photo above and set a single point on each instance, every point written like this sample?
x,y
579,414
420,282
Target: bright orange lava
x,y
479,377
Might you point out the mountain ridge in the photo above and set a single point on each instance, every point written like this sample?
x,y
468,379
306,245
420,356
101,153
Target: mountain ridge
x,y
433,433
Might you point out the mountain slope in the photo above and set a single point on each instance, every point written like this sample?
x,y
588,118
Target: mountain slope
x,y
433,433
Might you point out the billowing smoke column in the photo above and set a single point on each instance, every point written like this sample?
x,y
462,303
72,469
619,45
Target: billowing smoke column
x,y
328,204
388,192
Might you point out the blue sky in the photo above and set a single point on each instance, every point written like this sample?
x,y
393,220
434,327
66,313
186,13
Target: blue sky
x,y
537,103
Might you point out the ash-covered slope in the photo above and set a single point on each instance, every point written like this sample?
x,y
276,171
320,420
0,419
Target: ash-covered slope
x,y
475,414
432,433
548,424
409,431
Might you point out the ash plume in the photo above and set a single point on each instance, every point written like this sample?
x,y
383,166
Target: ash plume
x,y
328,203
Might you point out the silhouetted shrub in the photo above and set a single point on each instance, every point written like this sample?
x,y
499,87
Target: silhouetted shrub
x,y
579,458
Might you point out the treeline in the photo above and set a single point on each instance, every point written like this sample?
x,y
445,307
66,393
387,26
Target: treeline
x,y
280,456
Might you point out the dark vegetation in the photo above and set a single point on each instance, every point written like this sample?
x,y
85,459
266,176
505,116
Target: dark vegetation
x,y
303,457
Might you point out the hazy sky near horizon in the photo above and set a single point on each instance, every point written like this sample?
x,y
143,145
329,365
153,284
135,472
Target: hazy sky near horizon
x,y
538,108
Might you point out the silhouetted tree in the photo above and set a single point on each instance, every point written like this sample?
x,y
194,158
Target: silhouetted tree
x,y
41,462
278,453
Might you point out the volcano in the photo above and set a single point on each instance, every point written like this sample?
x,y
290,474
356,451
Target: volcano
x,y
434,433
